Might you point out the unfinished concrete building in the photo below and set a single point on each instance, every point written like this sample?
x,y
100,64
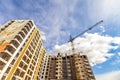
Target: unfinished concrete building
x,y
68,67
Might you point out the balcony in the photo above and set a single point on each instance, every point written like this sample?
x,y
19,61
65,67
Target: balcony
x,y
5,56
22,34
27,28
15,43
30,23
10,48
18,38
17,72
2,64
22,74
24,30
25,67
8,69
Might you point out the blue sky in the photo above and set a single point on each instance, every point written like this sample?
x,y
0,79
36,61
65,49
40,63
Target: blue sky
x,y
57,19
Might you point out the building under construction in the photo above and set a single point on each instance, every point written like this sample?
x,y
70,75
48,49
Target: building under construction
x,y
68,67
22,56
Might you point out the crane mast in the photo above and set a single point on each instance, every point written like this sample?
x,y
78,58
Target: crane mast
x,y
72,39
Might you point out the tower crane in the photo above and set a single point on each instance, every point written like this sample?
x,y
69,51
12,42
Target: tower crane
x,y
72,39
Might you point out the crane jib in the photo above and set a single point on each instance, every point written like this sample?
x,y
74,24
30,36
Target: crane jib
x,y
87,30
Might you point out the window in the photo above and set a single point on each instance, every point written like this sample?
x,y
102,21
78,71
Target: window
x,y
27,53
15,43
84,56
25,30
63,58
26,78
22,34
42,77
31,73
21,64
17,72
22,74
30,56
45,76
25,67
5,56
18,38
10,49
13,78
83,75
2,64
13,61
2,28
31,23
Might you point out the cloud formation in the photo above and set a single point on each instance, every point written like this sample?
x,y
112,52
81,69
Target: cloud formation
x,y
115,75
119,53
95,46
103,9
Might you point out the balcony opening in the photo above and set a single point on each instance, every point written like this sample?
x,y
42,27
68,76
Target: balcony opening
x,y
17,72
18,38
8,69
28,28
25,67
21,64
25,30
22,74
15,43
31,23
11,49
5,56
22,34
2,64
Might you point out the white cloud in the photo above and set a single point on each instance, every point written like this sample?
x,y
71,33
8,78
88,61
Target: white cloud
x,y
119,53
115,75
43,37
104,9
95,46
102,28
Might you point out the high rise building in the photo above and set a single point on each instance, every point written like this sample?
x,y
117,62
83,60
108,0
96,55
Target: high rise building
x,y
21,51
22,56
